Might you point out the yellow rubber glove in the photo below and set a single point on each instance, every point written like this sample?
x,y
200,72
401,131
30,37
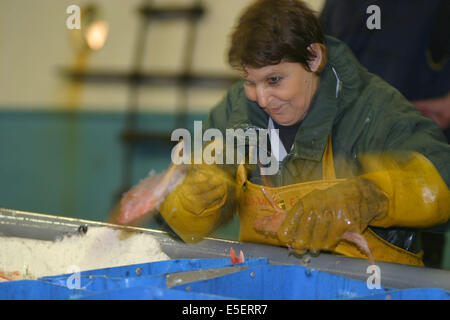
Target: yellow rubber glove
x,y
319,220
202,189
200,203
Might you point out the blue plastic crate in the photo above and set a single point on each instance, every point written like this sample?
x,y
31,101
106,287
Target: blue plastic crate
x,y
410,294
268,282
140,272
150,293
282,282
38,290
118,282
259,281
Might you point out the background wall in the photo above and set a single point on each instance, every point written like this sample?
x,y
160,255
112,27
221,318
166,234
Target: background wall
x,y
64,158
35,42
60,142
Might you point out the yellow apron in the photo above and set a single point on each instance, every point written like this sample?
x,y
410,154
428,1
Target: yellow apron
x,y
253,205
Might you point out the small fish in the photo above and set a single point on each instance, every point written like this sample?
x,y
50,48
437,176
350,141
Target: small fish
x,y
234,259
148,194
10,276
361,242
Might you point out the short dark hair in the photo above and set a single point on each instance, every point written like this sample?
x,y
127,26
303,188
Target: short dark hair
x,y
272,31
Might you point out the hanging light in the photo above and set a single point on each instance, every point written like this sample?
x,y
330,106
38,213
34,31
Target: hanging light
x,y
96,34
95,28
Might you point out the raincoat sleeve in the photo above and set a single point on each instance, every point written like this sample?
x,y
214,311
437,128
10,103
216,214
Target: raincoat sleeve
x,y
414,168
418,196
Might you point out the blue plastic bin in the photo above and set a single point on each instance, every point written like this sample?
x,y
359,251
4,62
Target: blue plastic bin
x,y
38,290
159,267
150,293
282,282
259,281
409,294
112,282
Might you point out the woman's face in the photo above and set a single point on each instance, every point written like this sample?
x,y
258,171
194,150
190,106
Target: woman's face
x,y
284,90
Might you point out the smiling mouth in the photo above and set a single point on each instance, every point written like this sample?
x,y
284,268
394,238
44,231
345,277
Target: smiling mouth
x,y
275,110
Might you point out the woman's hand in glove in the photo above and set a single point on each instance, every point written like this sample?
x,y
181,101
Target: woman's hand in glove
x,y
204,187
319,219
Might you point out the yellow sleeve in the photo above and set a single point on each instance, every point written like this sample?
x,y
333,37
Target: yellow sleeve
x,y
418,196
192,227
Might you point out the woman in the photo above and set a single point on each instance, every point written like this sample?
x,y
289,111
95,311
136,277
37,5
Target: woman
x,y
337,125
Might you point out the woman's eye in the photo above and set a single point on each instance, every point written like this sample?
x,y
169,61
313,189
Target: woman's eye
x,y
274,80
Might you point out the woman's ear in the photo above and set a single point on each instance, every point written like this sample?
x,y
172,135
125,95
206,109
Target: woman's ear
x,y
320,57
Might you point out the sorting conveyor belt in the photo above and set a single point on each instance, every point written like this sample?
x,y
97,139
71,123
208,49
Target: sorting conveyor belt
x,y
15,223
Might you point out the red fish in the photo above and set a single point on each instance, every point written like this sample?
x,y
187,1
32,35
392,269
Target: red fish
x,y
234,259
10,276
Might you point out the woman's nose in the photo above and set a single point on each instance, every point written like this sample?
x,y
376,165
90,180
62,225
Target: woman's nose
x,y
262,97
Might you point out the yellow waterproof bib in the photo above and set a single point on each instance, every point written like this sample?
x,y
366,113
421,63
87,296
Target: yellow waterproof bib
x,y
253,205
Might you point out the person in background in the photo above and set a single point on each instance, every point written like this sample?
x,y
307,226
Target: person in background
x,y
411,50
